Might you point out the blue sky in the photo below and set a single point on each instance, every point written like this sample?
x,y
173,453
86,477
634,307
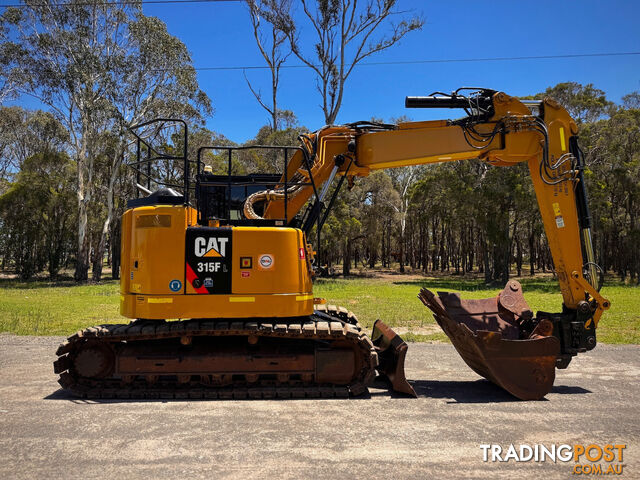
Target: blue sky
x,y
219,34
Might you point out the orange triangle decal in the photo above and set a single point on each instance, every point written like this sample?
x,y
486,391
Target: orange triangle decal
x,y
212,253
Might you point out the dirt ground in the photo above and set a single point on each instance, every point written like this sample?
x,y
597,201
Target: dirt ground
x,y
44,433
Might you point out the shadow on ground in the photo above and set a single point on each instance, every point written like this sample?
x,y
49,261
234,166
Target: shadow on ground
x,y
478,391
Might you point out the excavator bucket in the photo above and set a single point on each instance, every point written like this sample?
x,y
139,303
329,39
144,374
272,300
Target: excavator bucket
x,y
498,338
392,350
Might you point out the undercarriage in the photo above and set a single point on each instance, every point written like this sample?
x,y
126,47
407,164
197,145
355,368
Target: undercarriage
x,y
323,355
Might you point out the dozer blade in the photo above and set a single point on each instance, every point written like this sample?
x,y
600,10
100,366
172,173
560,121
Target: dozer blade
x,y
392,350
499,340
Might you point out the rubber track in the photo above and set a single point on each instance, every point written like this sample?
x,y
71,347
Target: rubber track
x,y
327,323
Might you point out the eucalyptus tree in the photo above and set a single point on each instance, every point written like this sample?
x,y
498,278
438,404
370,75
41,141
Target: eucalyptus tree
x,y
378,203
346,32
7,81
154,78
36,212
585,103
271,43
631,100
98,67
613,175
24,133
36,191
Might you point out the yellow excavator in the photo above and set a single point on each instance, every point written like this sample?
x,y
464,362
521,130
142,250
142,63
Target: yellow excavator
x,y
229,257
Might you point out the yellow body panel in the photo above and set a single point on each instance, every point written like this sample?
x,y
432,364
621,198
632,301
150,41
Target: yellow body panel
x,y
153,251
216,306
156,282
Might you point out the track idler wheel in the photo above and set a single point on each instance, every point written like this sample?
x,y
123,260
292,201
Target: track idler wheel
x,y
94,360
392,350
499,339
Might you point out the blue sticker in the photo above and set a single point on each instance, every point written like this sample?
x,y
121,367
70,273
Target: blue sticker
x,y
175,285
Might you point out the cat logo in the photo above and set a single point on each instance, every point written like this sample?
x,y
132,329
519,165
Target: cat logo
x,y
208,255
214,247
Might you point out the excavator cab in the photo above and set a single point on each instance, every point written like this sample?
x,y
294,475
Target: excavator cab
x,y
221,197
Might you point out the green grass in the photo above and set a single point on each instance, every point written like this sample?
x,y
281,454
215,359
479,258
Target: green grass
x,y
61,308
394,301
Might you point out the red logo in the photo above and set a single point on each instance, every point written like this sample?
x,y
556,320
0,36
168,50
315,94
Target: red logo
x,y
245,274
301,253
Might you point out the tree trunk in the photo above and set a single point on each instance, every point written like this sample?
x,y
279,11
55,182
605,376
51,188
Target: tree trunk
x,y
102,244
115,251
82,260
532,252
346,258
488,274
518,257
401,252
84,166
471,248
373,254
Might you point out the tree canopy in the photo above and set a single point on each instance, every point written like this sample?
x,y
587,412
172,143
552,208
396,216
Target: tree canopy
x,y
98,68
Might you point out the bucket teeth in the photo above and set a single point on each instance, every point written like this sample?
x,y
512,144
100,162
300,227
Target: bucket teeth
x,y
492,337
